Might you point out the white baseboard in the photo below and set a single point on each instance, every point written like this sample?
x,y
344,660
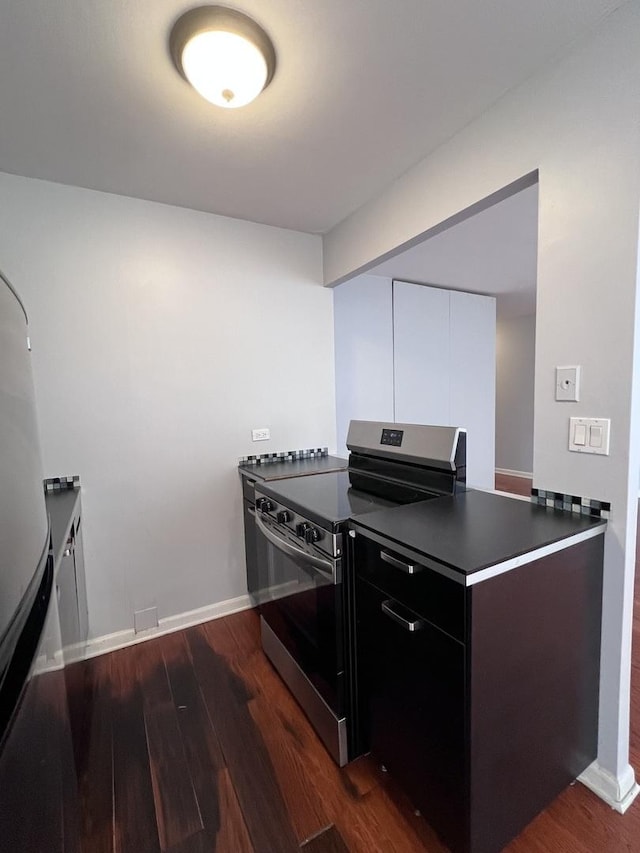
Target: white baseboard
x,y
511,473
618,793
122,639
48,663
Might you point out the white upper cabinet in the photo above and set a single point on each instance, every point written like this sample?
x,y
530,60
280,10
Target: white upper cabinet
x,y
415,354
363,319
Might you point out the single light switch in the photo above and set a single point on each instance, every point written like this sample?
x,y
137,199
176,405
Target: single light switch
x,y
595,436
580,434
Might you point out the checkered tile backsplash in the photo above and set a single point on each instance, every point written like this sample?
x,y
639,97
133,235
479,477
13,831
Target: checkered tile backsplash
x,y
571,503
58,484
284,456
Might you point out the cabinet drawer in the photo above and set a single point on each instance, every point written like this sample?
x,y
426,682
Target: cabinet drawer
x,y
412,695
430,594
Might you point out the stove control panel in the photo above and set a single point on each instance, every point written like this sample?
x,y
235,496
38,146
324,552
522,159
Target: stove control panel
x,y
297,529
392,437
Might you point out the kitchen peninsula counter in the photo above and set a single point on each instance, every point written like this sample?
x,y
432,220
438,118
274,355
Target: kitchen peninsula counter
x,y
474,535
478,647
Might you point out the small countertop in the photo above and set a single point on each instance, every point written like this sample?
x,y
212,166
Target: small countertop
x,y
475,530
62,506
295,468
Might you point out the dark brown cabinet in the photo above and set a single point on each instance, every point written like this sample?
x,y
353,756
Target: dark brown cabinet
x,y
480,699
415,685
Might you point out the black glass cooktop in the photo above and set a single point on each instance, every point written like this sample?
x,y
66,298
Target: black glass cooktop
x,y
323,498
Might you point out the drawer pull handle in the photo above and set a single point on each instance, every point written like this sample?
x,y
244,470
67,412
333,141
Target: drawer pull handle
x,y
409,568
408,624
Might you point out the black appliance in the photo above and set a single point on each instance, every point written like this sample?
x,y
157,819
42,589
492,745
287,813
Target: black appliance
x,y
38,792
305,578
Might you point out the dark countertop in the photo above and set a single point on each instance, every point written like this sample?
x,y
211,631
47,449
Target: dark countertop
x,y
295,468
474,530
62,507
324,497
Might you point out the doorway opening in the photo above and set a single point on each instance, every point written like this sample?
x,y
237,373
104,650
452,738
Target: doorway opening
x,y
444,332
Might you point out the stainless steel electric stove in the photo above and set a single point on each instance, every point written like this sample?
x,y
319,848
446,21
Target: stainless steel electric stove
x,y
305,578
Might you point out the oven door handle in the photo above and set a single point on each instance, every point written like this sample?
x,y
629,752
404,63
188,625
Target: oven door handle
x,y
323,567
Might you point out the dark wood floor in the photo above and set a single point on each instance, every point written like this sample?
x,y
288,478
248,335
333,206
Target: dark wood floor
x,y
193,744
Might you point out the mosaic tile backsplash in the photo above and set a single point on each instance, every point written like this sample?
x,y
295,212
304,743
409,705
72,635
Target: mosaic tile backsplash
x,y
571,503
57,484
283,456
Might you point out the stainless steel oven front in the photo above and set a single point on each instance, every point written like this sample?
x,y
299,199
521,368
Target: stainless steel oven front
x,y
302,616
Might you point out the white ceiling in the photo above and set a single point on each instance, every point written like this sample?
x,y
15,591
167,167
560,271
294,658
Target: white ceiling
x,y
493,252
363,90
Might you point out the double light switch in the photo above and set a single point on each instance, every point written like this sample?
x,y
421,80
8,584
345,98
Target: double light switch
x,y
589,435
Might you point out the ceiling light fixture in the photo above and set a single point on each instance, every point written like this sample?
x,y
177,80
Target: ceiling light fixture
x,y
225,55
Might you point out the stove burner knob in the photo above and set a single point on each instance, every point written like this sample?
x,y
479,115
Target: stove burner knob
x,y
265,505
259,503
283,516
302,528
311,534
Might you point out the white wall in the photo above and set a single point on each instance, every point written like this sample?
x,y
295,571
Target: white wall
x,y
161,336
515,372
576,124
363,318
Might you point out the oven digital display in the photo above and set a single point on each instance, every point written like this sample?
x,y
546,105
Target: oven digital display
x,y
392,437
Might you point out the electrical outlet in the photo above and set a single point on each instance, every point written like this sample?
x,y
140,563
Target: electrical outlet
x,y
263,434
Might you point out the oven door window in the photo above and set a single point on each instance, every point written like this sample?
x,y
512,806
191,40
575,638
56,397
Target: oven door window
x,y
302,605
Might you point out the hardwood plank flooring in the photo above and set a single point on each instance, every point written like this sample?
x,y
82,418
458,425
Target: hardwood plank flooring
x,y
515,485
94,754
226,696
177,812
327,841
194,745
134,811
201,746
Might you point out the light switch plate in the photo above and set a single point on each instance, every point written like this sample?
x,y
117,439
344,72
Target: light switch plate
x,y
568,383
263,434
589,435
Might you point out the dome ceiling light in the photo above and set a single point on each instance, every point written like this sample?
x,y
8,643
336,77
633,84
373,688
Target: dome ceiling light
x,y
225,55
